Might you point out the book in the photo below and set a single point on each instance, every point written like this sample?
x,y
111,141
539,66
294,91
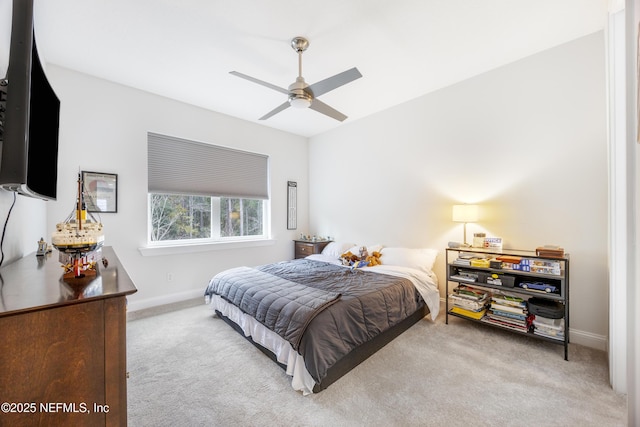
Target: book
x,y
521,324
508,315
508,308
470,293
500,323
462,261
467,313
480,262
510,300
467,303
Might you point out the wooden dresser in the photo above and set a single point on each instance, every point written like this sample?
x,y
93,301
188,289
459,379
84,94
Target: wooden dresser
x,y
63,358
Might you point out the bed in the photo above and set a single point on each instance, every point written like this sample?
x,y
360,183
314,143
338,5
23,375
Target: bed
x,y
317,318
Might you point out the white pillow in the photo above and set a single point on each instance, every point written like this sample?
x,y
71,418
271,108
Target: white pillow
x,y
420,259
373,248
354,249
335,249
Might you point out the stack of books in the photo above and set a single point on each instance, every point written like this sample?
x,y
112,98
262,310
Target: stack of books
x,y
509,312
463,259
550,328
469,302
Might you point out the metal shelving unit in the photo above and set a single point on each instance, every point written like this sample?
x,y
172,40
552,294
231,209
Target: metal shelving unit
x,y
561,281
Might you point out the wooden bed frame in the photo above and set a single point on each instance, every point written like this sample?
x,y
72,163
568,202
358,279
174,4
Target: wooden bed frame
x,y
355,357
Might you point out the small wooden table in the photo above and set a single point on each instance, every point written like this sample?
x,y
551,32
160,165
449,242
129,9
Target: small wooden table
x,y
304,248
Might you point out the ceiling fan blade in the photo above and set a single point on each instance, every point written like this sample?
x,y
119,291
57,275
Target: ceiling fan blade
x,y
275,111
330,83
260,82
323,108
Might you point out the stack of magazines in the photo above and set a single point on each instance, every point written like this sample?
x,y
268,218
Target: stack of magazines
x,y
469,302
509,312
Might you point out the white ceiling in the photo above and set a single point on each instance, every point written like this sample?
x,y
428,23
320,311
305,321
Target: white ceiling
x,y
184,49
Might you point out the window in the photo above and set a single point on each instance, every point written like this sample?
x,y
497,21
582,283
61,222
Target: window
x,y
184,217
240,217
204,192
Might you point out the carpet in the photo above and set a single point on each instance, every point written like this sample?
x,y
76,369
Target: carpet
x,y
188,368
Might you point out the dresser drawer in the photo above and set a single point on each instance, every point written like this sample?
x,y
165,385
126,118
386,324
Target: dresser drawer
x,y
304,249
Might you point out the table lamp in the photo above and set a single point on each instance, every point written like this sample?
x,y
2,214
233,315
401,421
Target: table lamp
x,y
465,214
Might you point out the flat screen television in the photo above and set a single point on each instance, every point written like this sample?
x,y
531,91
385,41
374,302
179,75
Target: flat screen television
x,y
29,115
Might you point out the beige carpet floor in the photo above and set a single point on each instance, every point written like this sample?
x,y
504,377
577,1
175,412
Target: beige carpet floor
x,y
188,368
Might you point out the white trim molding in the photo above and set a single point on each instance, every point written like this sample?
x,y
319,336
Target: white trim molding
x,y
164,300
187,248
618,199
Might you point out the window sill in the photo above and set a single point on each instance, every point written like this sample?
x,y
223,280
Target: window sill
x,y
187,248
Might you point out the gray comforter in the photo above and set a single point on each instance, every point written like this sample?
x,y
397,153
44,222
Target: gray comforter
x,y
351,308
281,305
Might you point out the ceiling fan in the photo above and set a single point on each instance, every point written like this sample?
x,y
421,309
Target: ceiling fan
x,y
303,95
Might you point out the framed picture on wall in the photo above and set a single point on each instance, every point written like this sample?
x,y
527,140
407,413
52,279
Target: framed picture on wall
x,y
101,191
292,205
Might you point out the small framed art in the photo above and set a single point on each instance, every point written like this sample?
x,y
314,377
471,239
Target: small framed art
x,y
101,191
292,205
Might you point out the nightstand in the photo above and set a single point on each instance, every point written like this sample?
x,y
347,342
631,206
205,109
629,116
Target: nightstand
x,y
304,248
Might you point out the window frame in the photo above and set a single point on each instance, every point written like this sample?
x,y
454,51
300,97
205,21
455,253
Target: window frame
x,y
265,236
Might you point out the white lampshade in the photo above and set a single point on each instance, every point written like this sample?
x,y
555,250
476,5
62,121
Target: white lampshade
x,y
465,213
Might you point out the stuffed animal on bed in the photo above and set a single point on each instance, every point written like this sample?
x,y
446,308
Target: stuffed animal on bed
x,y
374,259
363,252
361,260
348,258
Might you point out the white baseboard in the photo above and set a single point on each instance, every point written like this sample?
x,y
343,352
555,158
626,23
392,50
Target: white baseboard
x,y
133,306
588,339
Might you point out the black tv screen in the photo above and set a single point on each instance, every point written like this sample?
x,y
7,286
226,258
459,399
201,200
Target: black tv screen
x,y
30,122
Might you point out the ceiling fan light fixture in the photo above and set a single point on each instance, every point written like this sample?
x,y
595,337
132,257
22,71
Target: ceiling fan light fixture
x,y
300,101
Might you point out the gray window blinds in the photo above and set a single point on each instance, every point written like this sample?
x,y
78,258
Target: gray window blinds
x,y
180,166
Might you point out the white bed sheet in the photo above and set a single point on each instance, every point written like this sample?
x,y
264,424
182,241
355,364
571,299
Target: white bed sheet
x,y
425,283
285,354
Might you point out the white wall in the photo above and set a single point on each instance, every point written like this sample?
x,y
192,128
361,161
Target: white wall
x,y
103,128
26,225
526,141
